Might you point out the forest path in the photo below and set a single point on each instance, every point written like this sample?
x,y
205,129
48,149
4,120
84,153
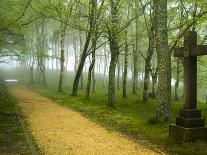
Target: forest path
x,y
58,130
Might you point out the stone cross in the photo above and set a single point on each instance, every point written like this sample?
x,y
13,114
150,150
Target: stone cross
x,y
189,124
190,51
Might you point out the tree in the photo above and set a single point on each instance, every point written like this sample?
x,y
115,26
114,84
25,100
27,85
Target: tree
x,y
84,54
125,67
151,37
164,61
113,41
94,40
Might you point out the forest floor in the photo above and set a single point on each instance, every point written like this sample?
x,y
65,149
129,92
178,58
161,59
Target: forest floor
x,y
59,130
12,138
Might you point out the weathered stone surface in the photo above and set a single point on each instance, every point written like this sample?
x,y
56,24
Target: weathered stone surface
x,y
182,134
190,122
190,113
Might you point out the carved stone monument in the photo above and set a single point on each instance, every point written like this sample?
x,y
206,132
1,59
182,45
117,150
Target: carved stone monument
x,y
190,126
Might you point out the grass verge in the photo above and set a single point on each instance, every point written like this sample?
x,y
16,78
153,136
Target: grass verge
x,y
12,139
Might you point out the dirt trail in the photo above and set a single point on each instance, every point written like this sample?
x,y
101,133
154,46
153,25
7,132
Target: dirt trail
x,y
58,130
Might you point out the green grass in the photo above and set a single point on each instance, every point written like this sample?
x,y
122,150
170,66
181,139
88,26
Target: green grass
x,y
12,140
131,117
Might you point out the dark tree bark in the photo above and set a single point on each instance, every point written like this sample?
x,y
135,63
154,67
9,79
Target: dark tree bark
x,y
94,40
85,51
118,73
105,65
62,57
32,70
135,52
154,81
32,74
91,68
40,48
164,62
125,67
81,53
94,81
75,55
81,65
113,41
151,36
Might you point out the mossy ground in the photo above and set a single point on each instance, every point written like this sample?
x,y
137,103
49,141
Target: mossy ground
x,y
12,139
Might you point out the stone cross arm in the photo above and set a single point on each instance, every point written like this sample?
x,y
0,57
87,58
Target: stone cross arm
x,y
194,51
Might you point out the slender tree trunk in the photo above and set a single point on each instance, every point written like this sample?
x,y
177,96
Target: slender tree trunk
x,y
94,81
125,67
113,40
75,55
81,65
40,53
164,62
148,60
91,67
105,66
81,45
62,57
67,57
32,74
56,55
90,70
85,50
111,86
118,73
147,69
135,52
52,59
154,82
177,82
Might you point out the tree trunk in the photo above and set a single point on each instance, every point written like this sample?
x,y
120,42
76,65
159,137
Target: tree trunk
x,y
90,70
164,62
94,81
135,52
62,58
154,82
125,67
118,73
111,85
91,67
40,47
147,69
105,66
85,50
32,70
179,59
32,74
81,45
113,40
75,55
56,55
81,65
151,35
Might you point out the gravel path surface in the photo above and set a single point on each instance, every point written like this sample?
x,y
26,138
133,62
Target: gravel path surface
x,y
58,130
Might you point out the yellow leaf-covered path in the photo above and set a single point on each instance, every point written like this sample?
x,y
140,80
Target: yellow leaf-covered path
x,y
61,131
